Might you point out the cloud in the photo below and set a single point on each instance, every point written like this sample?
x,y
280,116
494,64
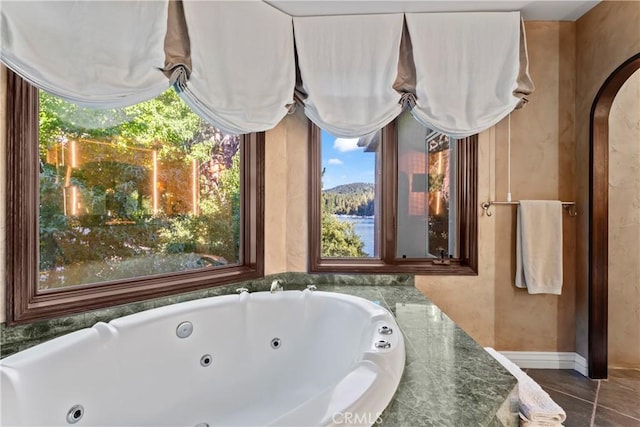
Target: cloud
x,y
346,144
335,161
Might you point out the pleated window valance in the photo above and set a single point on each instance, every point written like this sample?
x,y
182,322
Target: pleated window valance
x,y
467,67
243,73
101,54
348,65
234,62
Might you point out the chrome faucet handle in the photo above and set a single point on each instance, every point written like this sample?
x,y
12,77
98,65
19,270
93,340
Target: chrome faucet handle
x,y
312,288
242,290
276,286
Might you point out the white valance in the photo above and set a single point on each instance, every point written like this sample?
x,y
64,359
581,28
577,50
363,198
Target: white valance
x,y
467,67
234,61
95,53
242,56
348,65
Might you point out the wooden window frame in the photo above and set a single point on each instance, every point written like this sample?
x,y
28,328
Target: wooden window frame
x,y
465,264
25,303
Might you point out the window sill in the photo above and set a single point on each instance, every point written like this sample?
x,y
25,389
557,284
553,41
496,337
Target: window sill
x,y
421,267
50,304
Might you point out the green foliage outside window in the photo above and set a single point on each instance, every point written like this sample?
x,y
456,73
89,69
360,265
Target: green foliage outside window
x,y
118,232
339,239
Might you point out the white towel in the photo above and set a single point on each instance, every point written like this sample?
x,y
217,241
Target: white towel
x,y
539,246
537,409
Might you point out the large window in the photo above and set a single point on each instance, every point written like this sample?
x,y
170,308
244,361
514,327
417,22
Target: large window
x,y
402,199
109,206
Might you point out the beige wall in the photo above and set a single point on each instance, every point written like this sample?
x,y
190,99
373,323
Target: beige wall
x,y
624,226
286,195
606,36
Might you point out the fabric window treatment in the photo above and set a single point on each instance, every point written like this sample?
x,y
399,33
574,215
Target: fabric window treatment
x,y
348,65
234,62
467,68
103,54
242,55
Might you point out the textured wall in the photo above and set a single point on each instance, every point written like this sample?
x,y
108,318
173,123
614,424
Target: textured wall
x,y
606,36
275,210
542,167
624,226
286,195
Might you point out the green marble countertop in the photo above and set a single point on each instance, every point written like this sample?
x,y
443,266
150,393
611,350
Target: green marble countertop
x,y
449,380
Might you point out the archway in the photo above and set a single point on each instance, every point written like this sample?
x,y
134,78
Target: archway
x,y
599,215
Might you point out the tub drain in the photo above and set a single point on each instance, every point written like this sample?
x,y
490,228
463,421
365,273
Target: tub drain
x,y
75,414
275,343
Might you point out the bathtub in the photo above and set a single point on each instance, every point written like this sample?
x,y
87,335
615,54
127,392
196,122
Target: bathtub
x,y
288,358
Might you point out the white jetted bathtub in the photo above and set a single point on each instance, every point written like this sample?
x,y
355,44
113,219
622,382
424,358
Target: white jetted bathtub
x,y
286,358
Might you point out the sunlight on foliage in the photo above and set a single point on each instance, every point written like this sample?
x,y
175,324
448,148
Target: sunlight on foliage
x,y
121,190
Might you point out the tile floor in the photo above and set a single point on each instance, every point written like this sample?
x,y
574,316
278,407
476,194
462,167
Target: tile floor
x,y
614,402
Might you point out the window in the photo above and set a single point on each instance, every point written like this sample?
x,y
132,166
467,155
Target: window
x,y
402,199
350,198
110,206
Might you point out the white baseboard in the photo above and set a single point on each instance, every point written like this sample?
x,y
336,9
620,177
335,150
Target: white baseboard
x,y
581,365
548,360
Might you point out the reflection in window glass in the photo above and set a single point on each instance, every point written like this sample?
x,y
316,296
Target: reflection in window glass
x,y
426,196
350,194
143,190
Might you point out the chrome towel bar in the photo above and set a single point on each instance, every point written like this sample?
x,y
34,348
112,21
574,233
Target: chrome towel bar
x,y
570,207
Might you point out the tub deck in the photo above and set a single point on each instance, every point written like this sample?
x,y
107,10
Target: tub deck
x,y
449,380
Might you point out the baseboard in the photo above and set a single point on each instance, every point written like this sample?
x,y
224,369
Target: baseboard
x,y
581,365
548,360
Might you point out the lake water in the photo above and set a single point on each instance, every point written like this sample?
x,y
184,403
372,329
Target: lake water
x,y
364,227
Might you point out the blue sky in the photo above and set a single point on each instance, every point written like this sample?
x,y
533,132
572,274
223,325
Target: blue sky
x,y
345,162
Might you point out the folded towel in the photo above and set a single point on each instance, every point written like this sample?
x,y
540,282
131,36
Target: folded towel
x,y
537,409
539,246
524,422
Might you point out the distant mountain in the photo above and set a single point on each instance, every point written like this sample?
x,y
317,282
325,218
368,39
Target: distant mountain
x,y
354,187
356,198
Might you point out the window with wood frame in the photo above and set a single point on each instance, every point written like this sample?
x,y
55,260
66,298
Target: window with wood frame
x,y
401,200
111,206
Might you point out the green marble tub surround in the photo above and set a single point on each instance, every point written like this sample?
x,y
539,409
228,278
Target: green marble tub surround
x,y
20,337
509,413
449,380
